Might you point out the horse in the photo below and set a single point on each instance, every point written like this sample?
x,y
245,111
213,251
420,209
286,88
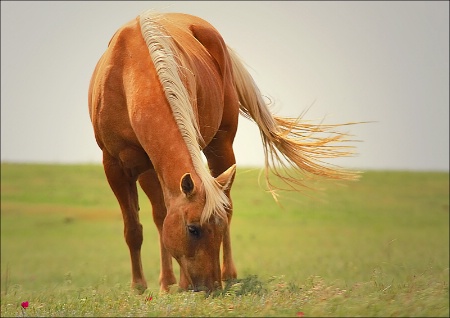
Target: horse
x,y
166,90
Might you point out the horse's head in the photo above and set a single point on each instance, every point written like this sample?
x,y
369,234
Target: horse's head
x,y
195,244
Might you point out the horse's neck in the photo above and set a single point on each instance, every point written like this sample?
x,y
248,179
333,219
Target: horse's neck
x,y
178,131
162,140
170,173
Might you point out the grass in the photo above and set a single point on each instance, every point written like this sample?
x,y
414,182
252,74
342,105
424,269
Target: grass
x,y
376,247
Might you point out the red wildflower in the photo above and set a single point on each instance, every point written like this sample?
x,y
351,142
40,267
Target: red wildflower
x,y
149,298
24,304
300,314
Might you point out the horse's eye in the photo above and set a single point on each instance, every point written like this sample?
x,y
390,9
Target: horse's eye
x,y
194,230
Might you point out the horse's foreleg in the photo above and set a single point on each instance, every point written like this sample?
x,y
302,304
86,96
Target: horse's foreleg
x,y
220,157
123,184
228,268
152,188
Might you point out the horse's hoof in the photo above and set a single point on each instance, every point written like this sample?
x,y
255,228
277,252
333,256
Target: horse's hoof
x,y
139,288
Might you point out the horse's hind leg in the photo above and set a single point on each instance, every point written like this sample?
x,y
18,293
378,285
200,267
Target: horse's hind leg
x,y
151,186
123,184
220,156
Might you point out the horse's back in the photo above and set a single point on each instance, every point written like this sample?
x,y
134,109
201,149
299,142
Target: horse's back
x,y
200,40
207,57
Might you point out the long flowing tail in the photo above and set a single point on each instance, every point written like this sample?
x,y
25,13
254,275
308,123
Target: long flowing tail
x,y
288,142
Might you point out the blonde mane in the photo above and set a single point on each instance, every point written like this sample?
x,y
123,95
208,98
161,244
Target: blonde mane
x,y
168,63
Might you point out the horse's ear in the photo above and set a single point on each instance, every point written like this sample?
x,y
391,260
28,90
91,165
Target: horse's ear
x,y
226,178
187,184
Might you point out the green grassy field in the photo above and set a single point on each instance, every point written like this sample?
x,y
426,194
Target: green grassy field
x,y
376,247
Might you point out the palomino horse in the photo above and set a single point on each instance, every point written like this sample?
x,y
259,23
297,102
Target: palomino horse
x,y
166,89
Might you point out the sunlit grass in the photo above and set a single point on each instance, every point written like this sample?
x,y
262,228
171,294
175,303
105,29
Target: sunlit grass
x,y
377,247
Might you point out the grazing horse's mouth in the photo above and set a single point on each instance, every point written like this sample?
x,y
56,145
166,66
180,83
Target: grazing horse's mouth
x,y
199,288
203,288
197,283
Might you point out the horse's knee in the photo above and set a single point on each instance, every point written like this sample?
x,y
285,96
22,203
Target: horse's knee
x,y
134,236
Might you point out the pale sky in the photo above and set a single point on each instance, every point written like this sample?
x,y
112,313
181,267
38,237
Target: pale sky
x,y
355,61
